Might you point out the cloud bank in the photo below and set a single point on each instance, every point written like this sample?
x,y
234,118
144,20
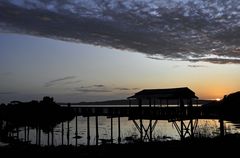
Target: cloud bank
x,y
188,30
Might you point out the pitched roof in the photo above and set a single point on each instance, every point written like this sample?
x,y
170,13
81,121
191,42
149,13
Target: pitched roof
x,y
169,93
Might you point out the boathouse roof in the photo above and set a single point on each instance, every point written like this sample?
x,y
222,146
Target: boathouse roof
x,y
169,93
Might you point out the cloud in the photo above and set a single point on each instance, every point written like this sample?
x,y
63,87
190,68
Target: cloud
x,y
92,90
98,85
126,89
196,66
61,80
7,93
188,30
97,88
100,88
123,89
135,88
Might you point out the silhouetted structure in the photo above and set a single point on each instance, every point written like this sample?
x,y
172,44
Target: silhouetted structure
x,y
155,96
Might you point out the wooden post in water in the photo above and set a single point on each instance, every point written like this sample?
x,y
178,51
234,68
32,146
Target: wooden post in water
x,y
182,128
39,138
119,130
88,131
48,139
68,132
25,133
36,135
62,133
111,130
140,113
17,132
192,128
151,130
97,136
52,136
76,130
221,121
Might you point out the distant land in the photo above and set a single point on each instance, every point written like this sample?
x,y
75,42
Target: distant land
x,y
133,102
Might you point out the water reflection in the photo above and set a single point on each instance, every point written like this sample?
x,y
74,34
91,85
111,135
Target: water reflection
x,y
101,130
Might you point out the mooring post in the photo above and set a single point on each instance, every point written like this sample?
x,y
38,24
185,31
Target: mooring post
x,y
111,130
25,133
76,130
221,121
68,132
119,130
62,133
39,138
36,135
28,133
88,131
182,129
151,130
17,132
48,141
140,114
97,136
52,136
192,128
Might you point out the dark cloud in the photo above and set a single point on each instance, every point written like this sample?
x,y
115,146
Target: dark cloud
x,y
135,88
94,86
123,89
98,85
97,88
102,88
89,90
189,30
61,80
73,82
196,66
7,93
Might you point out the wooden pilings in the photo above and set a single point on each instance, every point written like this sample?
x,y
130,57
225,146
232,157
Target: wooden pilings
x,y
111,130
97,134
119,130
76,128
62,133
88,131
222,130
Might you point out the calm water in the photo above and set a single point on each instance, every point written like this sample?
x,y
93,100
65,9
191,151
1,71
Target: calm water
x,y
164,130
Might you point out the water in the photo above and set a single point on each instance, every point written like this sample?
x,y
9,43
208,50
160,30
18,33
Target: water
x,y
129,132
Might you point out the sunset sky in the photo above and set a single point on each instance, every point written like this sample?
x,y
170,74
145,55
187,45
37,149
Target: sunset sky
x,y
103,50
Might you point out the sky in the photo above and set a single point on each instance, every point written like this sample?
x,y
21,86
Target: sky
x,y
79,50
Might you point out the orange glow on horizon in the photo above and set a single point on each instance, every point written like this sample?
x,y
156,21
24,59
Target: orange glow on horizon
x,y
217,99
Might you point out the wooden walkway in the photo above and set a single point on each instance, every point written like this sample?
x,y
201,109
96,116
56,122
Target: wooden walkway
x,y
154,113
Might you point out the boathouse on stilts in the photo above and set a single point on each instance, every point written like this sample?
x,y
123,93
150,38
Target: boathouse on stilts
x,y
174,103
